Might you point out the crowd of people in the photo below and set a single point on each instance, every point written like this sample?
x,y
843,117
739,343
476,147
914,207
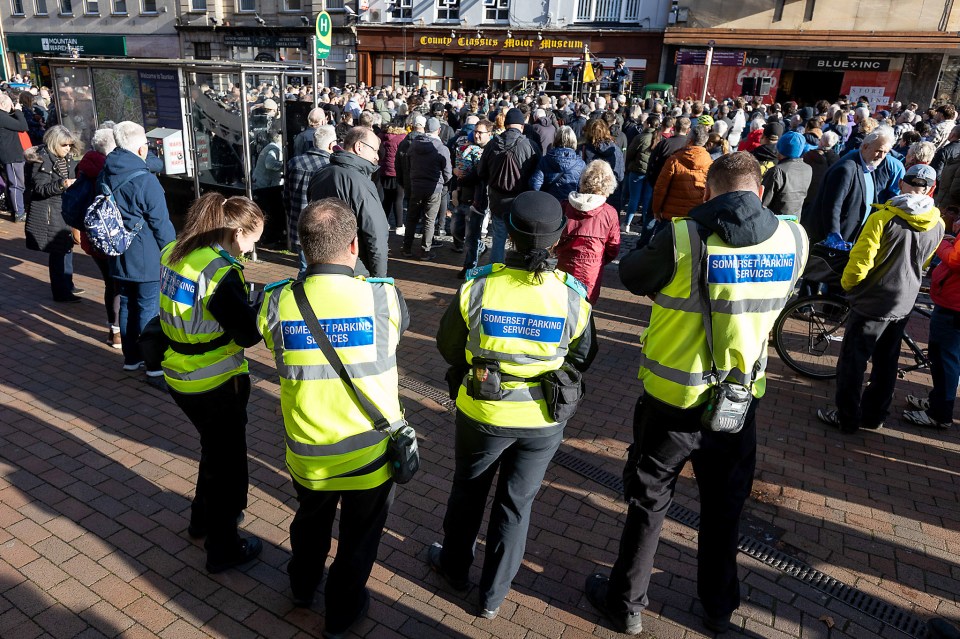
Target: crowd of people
x,y
725,199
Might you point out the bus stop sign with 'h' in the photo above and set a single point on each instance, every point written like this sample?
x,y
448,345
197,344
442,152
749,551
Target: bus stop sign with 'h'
x,y
324,35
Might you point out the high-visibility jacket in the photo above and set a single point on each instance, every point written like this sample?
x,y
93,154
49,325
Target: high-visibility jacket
x,y
186,289
330,441
527,327
748,287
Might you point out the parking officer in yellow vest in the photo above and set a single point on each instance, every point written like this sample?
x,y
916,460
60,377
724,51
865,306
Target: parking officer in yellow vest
x,y
333,453
205,314
509,326
732,266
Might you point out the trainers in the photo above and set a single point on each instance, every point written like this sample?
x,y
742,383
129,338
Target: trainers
x,y
401,230
429,256
921,418
919,403
156,373
113,339
133,367
719,624
159,383
406,253
831,417
489,613
434,555
630,623
248,550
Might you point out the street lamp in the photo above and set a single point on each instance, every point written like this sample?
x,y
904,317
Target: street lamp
x,y
706,76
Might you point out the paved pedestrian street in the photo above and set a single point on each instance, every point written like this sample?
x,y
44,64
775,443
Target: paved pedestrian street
x,y
97,470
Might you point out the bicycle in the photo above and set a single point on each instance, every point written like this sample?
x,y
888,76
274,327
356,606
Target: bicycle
x,y
809,330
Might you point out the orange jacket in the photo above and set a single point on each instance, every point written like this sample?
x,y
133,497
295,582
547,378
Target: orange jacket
x,y
681,183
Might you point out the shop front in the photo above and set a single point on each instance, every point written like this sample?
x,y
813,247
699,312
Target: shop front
x,y
445,60
24,47
804,77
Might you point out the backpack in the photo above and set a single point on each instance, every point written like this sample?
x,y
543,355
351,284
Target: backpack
x,y
104,222
506,174
76,200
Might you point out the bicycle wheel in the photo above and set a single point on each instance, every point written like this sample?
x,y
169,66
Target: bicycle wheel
x,y
808,333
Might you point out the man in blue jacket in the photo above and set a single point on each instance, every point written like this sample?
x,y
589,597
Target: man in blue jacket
x,y
140,198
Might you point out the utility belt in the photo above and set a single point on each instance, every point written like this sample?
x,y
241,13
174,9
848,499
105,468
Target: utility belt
x,y
201,348
562,389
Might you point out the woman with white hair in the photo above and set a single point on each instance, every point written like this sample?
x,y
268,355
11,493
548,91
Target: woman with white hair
x,y
591,238
819,159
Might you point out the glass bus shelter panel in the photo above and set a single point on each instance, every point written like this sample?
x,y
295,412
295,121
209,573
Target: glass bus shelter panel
x,y
265,101
75,92
217,120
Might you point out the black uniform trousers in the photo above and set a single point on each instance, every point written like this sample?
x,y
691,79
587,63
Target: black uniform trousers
x,y
220,417
665,437
362,516
522,462
865,339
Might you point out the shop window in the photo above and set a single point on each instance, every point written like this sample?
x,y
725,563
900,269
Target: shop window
x,y
120,7
497,10
403,10
91,7
40,7
246,6
16,7
201,51
292,5
448,9
948,89
509,70
148,6
66,7
198,5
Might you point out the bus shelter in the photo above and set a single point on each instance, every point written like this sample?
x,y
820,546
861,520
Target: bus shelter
x,y
210,122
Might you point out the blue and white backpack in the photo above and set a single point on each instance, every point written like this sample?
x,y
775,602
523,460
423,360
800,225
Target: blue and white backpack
x,y
104,222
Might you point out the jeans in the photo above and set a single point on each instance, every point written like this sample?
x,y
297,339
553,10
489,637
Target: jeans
x,y
499,248
522,462
866,339
664,438
944,363
13,172
458,224
111,292
473,239
641,194
425,207
303,265
220,417
362,516
139,303
61,274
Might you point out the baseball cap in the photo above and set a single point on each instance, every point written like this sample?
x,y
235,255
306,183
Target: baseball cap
x,y
920,175
773,131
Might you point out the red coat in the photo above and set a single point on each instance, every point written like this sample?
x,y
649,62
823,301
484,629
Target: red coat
x,y
591,239
91,165
945,281
390,142
752,141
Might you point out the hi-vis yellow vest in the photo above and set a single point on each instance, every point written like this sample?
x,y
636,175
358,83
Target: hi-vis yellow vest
x,y
527,327
748,288
185,291
331,442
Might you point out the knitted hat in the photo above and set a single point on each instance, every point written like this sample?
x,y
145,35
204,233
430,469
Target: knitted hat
x,y
535,220
432,125
791,145
514,116
419,120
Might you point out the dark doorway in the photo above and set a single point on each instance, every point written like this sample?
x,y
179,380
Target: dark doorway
x,y
471,73
807,87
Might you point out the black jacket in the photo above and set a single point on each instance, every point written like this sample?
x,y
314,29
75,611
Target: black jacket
x,y
349,177
429,165
45,229
737,217
660,153
11,151
526,154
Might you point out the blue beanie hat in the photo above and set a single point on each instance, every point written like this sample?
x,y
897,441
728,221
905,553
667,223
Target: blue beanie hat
x,y
791,145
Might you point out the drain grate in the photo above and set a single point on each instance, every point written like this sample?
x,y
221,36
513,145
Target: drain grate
x,y
868,604
892,616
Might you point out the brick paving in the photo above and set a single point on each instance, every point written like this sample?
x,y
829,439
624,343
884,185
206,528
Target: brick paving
x,y
97,471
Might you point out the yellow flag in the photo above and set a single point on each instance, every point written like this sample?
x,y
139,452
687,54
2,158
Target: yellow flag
x,y
588,68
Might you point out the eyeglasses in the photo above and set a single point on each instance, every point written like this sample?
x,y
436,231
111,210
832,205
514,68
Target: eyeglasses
x,y
480,132
372,148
